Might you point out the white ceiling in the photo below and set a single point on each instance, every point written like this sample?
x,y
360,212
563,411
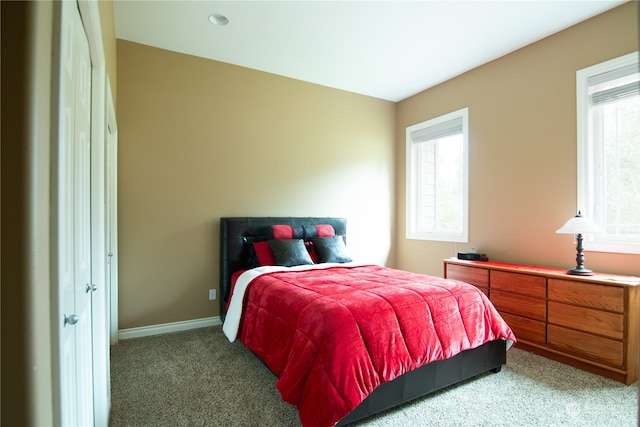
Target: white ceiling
x,y
385,49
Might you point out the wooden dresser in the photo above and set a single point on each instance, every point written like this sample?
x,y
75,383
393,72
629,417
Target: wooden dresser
x,y
590,322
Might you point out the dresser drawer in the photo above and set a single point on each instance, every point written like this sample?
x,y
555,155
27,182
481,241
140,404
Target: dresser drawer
x,y
526,329
476,276
531,308
587,319
582,344
524,284
609,298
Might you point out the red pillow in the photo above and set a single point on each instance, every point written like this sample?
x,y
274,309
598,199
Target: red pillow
x,y
264,254
325,230
282,232
312,251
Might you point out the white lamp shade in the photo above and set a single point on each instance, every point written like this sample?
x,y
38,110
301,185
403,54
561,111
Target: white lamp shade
x,y
579,225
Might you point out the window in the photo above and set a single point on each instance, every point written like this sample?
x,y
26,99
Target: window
x,y
608,97
437,178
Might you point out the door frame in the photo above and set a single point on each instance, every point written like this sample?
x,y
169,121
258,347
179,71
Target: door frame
x,y
111,153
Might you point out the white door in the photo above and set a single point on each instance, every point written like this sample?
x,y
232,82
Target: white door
x,y
73,221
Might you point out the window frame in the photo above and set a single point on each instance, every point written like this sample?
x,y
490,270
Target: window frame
x,y
596,243
461,236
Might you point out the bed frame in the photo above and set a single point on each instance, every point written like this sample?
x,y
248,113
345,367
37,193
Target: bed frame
x,y
236,235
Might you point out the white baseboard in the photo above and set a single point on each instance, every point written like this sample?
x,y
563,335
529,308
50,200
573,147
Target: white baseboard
x,y
166,328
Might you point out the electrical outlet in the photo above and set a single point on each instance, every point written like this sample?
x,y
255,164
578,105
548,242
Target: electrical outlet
x,y
212,294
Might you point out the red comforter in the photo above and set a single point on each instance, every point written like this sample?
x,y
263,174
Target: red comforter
x,y
333,335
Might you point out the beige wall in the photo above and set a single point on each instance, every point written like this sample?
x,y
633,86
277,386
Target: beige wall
x,y
522,115
26,336
199,140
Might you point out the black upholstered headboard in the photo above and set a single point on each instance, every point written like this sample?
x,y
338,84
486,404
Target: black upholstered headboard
x,y
235,233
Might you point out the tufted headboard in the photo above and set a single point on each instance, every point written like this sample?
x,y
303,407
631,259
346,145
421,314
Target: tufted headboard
x,y
236,234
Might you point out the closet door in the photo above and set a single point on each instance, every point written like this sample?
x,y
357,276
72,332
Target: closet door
x,y
72,197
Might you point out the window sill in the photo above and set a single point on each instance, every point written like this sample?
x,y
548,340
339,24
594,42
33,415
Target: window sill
x,y
613,248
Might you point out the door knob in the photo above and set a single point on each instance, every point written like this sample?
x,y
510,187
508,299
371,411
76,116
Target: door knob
x,y
91,287
71,319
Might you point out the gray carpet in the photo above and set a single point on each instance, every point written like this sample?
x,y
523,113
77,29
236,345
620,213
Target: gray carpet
x,y
197,378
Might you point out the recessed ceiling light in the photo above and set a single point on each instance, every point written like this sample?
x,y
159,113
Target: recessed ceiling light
x,y
217,19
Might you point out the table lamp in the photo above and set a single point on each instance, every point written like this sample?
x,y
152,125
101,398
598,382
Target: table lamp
x,y
579,225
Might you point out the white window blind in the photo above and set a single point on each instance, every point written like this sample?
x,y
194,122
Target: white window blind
x,y
441,130
614,85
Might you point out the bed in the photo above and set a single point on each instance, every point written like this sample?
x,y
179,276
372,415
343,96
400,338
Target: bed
x,y
367,379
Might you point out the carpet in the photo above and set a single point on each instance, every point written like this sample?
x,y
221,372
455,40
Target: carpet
x,y
198,378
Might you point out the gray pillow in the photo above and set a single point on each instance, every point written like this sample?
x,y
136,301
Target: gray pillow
x,y
331,249
290,252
